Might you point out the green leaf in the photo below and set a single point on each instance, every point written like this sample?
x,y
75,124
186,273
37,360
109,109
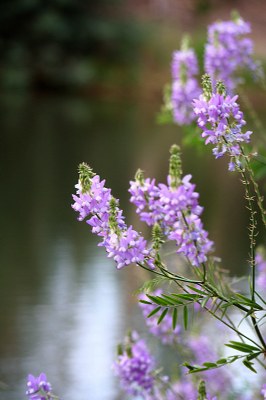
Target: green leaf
x,y
253,355
185,317
145,302
188,296
174,317
154,311
221,361
162,316
210,365
197,290
170,299
249,365
158,300
246,348
245,300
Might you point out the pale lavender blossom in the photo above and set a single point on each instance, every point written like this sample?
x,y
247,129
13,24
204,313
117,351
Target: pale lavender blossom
x,y
184,64
260,265
182,97
38,388
134,367
221,121
263,391
185,86
228,51
164,331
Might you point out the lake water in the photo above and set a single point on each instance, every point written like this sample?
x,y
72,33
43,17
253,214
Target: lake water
x,y
63,305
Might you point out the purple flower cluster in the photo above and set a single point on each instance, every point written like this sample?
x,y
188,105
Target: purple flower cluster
x,y
227,50
176,210
263,391
184,86
38,388
135,367
221,121
164,331
101,210
260,265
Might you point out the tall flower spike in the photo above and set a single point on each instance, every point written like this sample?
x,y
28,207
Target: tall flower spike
x,y
207,86
220,118
184,84
175,166
228,51
85,175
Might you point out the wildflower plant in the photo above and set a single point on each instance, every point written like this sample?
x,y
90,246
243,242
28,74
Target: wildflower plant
x,y
189,282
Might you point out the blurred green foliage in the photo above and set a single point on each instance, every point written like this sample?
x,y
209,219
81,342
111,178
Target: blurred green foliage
x,y
61,43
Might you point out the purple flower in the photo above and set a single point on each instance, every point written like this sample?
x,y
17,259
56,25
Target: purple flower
x,y
126,248
145,196
191,239
164,331
185,86
260,265
135,367
228,50
263,391
38,388
175,208
221,121
182,98
94,202
184,64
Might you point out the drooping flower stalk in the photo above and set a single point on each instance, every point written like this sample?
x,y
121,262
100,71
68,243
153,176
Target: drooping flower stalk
x,y
95,203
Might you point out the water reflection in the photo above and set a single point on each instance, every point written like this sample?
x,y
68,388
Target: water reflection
x,y
63,306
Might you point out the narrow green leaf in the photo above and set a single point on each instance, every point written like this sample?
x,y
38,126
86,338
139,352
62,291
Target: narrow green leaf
x,y
253,355
221,361
154,311
162,316
170,299
185,317
244,346
158,300
145,302
209,365
249,365
174,317
197,290
187,296
247,301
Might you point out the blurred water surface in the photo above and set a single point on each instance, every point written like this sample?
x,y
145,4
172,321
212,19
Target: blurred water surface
x,y
63,305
